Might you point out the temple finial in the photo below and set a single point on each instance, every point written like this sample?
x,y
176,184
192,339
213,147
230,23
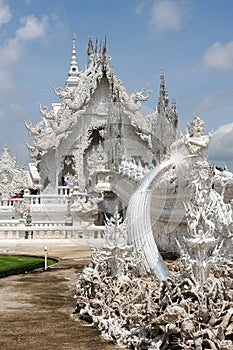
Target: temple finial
x,y
163,95
74,40
90,47
162,83
73,72
104,48
96,45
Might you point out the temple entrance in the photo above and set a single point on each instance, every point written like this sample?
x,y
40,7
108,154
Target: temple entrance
x,y
68,169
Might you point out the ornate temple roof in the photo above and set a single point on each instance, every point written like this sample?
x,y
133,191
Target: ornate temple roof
x,y
80,86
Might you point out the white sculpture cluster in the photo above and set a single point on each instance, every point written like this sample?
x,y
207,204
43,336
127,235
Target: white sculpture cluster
x,y
209,218
85,204
192,305
223,178
135,311
134,170
209,227
82,202
13,178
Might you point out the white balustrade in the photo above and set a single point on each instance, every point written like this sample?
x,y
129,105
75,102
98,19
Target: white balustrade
x,y
63,190
48,231
32,199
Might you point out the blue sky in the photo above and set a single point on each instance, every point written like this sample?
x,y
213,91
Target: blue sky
x,y
191,39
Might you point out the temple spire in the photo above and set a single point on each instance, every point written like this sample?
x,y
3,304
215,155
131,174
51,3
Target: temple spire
x,y
104,48
90,47
163,95
162,91
73,75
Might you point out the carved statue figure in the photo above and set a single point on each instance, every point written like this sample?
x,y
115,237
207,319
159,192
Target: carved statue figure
x,y
134,99
85,204
224,177
195,139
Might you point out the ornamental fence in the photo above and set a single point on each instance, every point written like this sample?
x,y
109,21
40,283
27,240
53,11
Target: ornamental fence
x,y
18,230
36,199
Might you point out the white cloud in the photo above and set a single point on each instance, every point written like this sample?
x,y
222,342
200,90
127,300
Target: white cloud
x,y
11,53
219,56
221,146
2,113
214,100
167,15
138,9
6,84
16,108
5,13
32,28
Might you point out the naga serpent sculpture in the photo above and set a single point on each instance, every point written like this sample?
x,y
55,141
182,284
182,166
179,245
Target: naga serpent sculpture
x,y
140,234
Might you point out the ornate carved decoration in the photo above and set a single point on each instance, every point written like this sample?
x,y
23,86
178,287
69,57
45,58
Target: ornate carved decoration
x,y
13,178
57,122
192,305
97,159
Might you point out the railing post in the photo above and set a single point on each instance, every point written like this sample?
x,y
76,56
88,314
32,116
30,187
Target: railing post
x,y
68,219
45,257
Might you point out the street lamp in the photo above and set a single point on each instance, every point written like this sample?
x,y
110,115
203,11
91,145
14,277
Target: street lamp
x,y
45,257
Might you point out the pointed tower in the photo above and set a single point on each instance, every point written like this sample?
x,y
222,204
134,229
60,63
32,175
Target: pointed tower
x,y
90,47
174,113
104,47
163,95
73,75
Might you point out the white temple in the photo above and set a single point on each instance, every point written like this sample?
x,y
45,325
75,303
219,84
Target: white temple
x,y
91,150
96,124
85,137
98,160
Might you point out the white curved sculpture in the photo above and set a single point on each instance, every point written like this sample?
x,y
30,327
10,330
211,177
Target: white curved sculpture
x,y
140,233
193,145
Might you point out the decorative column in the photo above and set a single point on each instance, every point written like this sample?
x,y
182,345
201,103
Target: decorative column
x,y
78,156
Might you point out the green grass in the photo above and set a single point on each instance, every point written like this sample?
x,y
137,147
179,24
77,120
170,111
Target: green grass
x,y
16,264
